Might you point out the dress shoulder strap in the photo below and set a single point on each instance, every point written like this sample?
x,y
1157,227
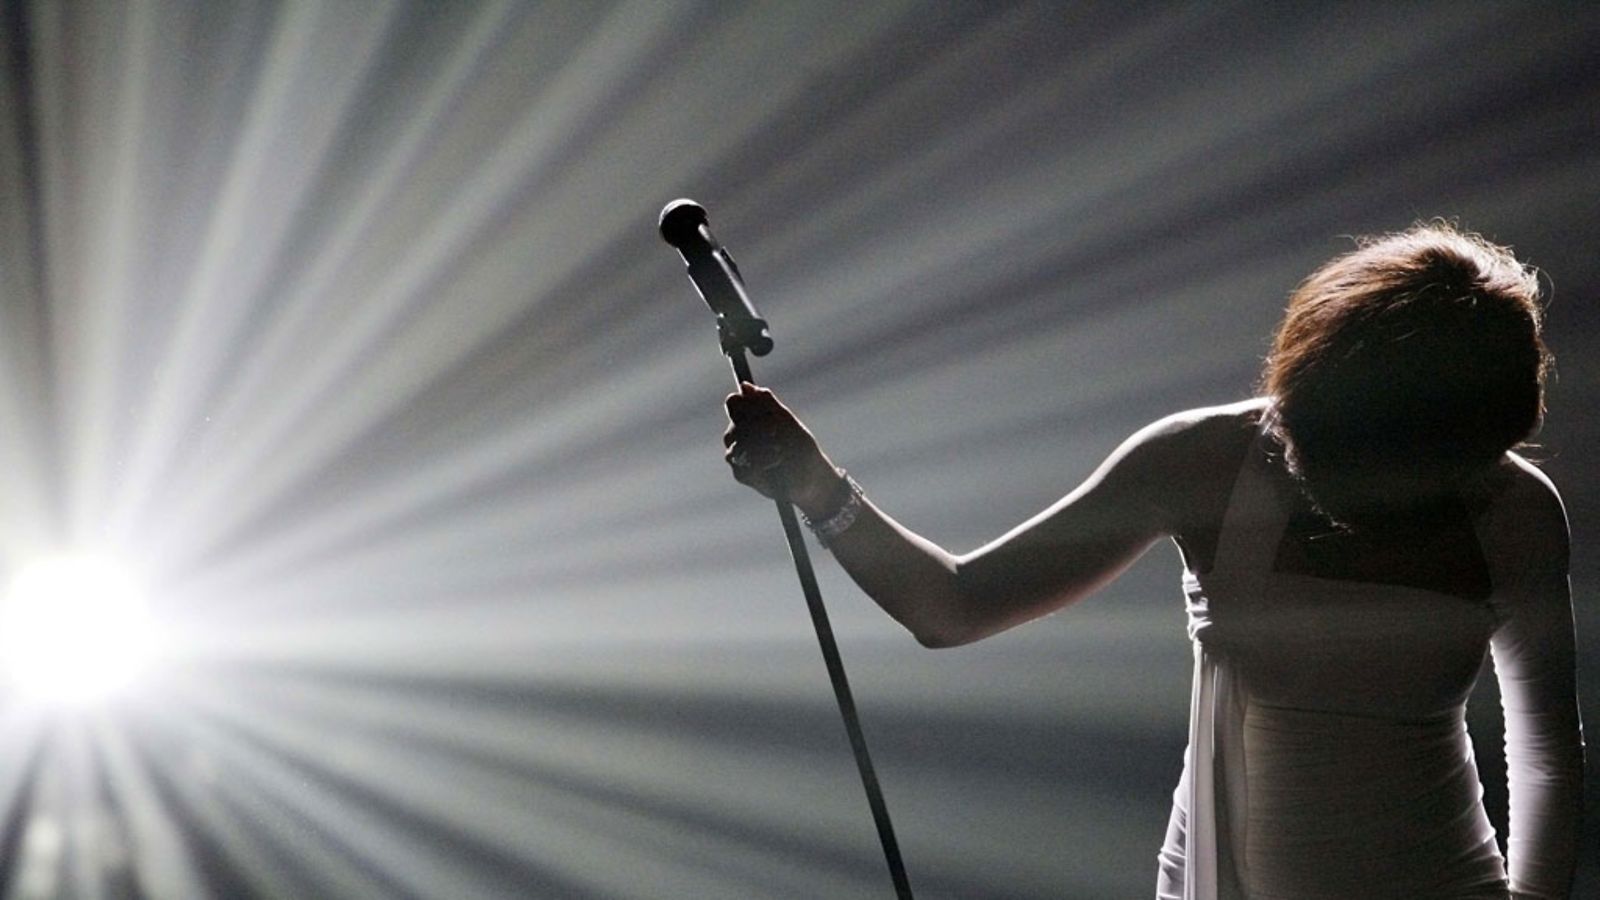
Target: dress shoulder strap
x,y
1258,510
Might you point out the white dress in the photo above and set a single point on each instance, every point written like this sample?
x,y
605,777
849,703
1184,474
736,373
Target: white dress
x,y
1328,753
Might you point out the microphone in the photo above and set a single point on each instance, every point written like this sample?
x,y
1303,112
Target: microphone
x,y
716,277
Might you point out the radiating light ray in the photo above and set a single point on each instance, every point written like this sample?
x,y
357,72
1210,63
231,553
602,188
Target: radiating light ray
x,y
160,855
450,471
1101,191
521,528
105,291
45,841
157,441
260,782
245,233
566,840
390,302
440,325
1103,648
310,282
73,845
22,738
527,523
687,774
573,751
33,185
23,478
458,506
506,627
308,850
552,434
567,751
190,778
900,178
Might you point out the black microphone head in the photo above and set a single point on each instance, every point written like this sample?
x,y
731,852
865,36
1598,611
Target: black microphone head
x,y
681,220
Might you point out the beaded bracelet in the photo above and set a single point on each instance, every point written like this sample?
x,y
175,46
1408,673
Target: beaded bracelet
x,y
842,518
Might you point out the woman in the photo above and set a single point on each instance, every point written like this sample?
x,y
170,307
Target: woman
x,y
1354,542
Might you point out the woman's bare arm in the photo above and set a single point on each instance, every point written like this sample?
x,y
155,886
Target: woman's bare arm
x,y
1064,553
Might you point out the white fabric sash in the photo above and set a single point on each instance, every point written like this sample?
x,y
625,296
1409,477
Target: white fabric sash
x,y
1214,860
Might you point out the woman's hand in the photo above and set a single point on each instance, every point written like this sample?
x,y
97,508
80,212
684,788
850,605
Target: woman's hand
x,y
770,450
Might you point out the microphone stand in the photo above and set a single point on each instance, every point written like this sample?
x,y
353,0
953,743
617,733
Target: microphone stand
x,y
740,329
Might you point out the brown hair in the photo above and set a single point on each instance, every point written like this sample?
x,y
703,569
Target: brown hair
x,y
1418,352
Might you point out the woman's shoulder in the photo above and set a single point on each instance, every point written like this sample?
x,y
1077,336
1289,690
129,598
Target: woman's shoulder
x,y
1190,459
1518,480
1526,512
1205,436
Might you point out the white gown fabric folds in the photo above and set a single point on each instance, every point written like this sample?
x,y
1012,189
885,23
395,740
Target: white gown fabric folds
x,y
1328,754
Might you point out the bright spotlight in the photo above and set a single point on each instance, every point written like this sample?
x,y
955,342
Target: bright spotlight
x,y
74,630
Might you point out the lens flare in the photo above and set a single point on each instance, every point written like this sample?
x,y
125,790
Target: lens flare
x,y
75,630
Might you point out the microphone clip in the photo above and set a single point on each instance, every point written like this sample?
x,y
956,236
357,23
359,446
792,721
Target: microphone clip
x,y
743,333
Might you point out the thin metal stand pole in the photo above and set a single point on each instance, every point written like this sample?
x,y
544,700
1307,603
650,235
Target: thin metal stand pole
x,y
841,684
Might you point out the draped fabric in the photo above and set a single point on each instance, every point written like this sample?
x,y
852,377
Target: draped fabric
x,y
1216,748
1328,753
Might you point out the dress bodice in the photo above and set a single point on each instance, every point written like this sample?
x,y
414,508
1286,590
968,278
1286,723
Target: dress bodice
x,y
1319,644
1328,749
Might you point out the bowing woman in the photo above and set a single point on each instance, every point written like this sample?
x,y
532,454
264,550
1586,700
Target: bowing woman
x,y
1354,541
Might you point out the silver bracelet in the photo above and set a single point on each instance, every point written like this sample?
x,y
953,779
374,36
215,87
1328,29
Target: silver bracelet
x,y
842,518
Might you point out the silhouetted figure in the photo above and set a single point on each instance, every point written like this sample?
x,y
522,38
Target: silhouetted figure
x,y
1354,541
